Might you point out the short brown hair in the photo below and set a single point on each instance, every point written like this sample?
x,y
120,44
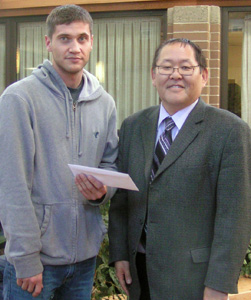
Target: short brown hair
x,y
66,14
199,56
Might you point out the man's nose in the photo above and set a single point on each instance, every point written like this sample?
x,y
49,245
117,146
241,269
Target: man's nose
x,y
74,46
175,74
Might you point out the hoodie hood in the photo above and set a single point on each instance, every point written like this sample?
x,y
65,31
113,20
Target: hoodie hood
x,y
49,77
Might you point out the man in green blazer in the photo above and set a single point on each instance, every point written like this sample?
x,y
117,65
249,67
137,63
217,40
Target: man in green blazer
x,y
184,235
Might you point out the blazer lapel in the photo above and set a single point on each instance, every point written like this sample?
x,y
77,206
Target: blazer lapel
x,y
185,137
148,135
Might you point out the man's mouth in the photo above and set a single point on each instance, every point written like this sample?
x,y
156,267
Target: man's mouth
x,y
73,58
175,86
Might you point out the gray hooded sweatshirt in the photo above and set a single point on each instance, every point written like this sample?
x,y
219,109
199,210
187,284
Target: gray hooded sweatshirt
x,y
45,218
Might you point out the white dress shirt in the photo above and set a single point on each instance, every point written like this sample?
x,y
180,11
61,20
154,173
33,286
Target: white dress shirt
x,y
179,119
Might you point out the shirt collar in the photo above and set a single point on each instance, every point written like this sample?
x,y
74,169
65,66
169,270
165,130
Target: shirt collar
x,y
179,117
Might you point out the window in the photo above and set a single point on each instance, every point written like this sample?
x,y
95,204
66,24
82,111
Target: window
x,y
31,49
121,58
2,56
236,64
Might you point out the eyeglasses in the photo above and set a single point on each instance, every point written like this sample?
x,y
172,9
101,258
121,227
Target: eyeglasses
x,y
184,70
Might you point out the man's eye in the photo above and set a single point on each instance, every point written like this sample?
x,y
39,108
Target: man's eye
x,y
64,38
167,68
186,68
82,38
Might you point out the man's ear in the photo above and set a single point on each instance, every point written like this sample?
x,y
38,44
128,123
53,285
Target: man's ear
x,y
91,41
48,43
205,76
153,74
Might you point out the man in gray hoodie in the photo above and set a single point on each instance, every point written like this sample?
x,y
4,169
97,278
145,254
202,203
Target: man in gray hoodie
x,y
58,115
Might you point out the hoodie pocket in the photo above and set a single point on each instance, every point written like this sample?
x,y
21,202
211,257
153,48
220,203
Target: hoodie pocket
x,y
46,219
58,232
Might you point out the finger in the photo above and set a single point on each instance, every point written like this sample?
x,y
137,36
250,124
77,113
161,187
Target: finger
x,y
95,182
37,291
124,287
90,186
128,277
122,281
30,287
89,190
19,282
80,180
89,182
97,188
24,285
84,184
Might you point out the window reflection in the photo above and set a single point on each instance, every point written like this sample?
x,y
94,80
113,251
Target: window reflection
x,y
237,63
2,56
121,58
31,49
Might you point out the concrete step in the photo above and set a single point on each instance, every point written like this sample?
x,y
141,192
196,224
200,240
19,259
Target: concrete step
x,y
241,296
244,286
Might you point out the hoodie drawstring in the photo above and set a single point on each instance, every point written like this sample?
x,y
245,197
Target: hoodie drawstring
x,y
80,142
67,108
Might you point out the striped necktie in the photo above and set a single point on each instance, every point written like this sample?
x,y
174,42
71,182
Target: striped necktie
x,y
162,147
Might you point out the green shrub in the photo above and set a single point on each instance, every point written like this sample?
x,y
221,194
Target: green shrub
x,y
105,280
246,268
2,239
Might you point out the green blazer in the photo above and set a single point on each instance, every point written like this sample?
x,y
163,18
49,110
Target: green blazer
x,y
198,206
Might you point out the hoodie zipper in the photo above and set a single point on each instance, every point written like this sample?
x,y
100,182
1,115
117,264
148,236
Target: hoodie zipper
x,y
74,106
74,257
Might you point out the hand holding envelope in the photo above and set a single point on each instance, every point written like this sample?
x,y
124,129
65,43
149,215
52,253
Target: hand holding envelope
x,y
107,177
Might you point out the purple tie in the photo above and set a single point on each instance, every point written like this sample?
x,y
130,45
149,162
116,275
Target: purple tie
x,y
163,145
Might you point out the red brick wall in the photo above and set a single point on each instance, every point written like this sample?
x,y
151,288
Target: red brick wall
x,y
201,24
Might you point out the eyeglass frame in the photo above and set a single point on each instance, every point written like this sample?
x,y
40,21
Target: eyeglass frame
x,y
178,68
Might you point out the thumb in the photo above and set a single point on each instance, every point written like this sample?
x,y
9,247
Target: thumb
x,y
128,277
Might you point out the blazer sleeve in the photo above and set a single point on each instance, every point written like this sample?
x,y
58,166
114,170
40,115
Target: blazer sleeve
x,y
233,211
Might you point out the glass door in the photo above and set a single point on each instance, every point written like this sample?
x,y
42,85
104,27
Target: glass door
x,y
236,62
2,56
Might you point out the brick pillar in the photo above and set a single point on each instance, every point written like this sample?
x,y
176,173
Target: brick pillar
x,y
201,24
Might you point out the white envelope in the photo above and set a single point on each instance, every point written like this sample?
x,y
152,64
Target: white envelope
x,y
107,177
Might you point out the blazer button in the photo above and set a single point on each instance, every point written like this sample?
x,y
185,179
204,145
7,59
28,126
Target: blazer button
x,y
134,252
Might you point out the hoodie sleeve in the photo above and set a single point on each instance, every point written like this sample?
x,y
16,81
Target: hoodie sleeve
x,y
109,158
17,151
